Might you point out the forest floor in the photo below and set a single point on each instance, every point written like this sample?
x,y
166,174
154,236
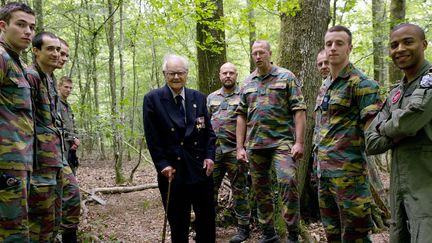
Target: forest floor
x,y
138,216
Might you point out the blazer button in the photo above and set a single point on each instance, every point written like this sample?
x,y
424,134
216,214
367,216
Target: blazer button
x,y
197,157
178,158
195,143
172,129
181,143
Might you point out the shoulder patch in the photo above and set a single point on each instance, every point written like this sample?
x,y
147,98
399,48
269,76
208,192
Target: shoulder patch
x,y
426,81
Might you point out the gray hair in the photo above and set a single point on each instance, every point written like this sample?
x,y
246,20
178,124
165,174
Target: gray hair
x,y
168,57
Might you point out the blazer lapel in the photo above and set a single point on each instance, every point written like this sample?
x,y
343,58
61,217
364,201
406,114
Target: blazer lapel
x,y
171,107
191,110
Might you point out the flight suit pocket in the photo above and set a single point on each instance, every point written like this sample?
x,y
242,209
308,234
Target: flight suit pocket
x,y
419,97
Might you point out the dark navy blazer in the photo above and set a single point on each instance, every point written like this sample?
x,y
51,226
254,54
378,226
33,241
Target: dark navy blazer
x,y
171,141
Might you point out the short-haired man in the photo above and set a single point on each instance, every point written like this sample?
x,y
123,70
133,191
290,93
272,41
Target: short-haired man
x,y
346,103
46,178
64,53
323,64
405,126
222,105
181,142
71,200
17,23
324,70
272,113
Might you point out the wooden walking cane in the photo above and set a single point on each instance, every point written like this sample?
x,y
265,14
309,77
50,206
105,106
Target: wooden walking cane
x,y
166,208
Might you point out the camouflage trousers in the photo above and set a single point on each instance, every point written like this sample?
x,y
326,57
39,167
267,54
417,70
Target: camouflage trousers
x,y
237,175
13,206
345,207
45,193
71,201
262,163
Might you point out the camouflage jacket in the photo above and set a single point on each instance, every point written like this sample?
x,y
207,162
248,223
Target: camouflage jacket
x,y
49,150
269,103
343,107
68,119
222,109
16,113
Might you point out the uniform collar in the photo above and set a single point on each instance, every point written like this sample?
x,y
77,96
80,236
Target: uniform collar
x,y
273,72
346,71
9,50
222,93
421,72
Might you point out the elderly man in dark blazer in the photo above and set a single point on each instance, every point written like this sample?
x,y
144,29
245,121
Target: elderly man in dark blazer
x,y
182,145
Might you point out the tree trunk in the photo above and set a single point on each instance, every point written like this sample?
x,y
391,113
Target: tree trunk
x,y
93,73
38,8
113,90
122,83
397,16
301,38
132,139
252,32
378,20
211,48
334,12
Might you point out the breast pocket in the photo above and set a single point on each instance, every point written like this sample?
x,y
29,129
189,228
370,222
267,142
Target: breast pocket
x,y
233,104
277,94
17,93
214,106
339,100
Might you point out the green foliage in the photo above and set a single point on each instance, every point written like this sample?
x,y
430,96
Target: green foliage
x,y
289,7
154,28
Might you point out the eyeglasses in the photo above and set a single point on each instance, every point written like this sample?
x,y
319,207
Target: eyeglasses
x,y
173,74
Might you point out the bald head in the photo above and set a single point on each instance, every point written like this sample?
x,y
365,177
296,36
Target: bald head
x,y
228,65
228,76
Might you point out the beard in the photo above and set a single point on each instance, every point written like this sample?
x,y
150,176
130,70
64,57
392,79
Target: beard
x,y
229,85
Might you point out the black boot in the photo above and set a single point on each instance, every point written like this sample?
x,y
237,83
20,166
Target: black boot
x,y
242,234
69,237
293,237
270,236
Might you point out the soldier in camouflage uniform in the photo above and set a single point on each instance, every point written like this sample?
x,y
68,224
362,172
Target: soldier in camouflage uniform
x,y
222,105
323,64
272,111
45,185
405,126
71,200
312,209
346,103
17,22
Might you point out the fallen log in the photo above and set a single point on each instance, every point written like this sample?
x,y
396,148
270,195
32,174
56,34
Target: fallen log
x,y
123,189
